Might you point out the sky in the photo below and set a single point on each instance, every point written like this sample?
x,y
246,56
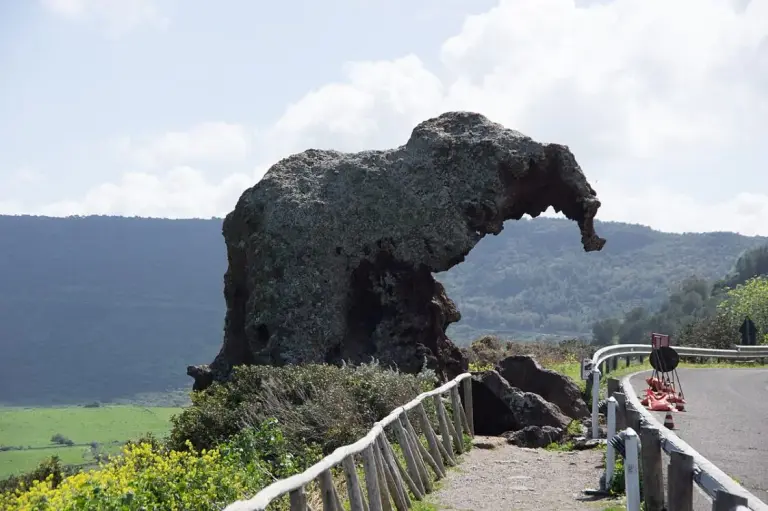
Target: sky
x,y
172,108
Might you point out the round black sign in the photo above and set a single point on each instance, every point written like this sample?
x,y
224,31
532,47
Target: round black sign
x,y
664,359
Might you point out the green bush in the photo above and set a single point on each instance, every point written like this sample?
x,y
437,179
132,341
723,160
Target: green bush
x,y
149,476
49,469
489,350
713,332
60,439
321,405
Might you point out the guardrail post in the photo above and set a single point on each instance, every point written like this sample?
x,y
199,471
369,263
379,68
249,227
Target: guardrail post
x,y
612,386
653,479
629,358
632,471
633,418
595,402
680,481
725,501
621,411
610,456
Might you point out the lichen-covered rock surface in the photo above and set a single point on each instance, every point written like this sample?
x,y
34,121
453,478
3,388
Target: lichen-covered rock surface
x,y
331,254
500,408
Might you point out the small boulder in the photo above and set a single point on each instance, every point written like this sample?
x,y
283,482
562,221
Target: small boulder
x,y
525,373
583,443
535,437
499,407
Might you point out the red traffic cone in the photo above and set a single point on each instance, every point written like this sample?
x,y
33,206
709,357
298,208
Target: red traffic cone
x,y
680,405
669,422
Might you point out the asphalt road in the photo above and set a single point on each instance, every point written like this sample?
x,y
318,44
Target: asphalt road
x,y
726,421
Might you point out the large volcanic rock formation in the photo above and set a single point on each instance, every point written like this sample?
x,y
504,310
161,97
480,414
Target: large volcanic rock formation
x,y
331,254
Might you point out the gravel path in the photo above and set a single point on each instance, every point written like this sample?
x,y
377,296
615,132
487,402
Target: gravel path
x,y
725,421
509,478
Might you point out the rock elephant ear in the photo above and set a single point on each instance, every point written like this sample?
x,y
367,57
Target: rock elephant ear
x,y
331,255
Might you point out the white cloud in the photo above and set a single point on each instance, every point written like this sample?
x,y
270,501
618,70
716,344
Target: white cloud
x,y
671,211
643,91
182,192
212,142
117,17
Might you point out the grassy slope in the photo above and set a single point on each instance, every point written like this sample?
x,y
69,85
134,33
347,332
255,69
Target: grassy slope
x,y
34,427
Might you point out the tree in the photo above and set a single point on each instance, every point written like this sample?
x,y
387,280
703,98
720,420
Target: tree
x,y
752,263
710,332
748,299
604,330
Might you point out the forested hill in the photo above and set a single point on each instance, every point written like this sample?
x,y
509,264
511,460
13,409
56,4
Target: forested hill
x,y
96,308
534,278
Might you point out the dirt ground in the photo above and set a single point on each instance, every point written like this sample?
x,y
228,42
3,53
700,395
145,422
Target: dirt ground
x,y
496,476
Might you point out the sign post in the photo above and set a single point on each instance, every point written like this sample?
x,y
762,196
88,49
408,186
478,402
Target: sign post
x,y
586,368
659,341
748,332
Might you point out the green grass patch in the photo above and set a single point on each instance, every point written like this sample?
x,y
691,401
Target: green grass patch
x,y
35,426
14,462
573,369
32,428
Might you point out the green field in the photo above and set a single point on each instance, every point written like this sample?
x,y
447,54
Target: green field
x,y
110,426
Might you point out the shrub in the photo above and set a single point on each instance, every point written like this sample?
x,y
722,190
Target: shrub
x,y
49,469
489,350
149,477
323,405
60,439
713,332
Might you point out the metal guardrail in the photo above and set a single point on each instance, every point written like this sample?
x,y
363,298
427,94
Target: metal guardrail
x,y
760,348
622,350
705,474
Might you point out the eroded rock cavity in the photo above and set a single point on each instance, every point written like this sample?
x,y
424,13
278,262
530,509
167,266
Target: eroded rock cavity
x,y
331,254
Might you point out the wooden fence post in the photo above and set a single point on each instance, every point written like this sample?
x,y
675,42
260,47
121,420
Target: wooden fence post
x,y
298,500
725,501
468,409
650,458
354,492
328,492
680,481
457,425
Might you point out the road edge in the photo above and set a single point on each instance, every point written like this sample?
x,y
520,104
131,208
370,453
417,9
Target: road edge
x,y
710,477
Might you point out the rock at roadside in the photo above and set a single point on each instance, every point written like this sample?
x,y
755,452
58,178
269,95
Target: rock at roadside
x,y
331,255
525,373
500,408
535,436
